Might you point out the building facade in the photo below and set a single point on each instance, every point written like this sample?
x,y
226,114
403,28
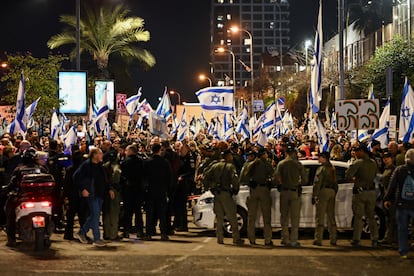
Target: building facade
x,y
267,21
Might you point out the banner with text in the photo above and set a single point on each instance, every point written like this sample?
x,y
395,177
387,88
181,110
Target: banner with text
x,y
357,114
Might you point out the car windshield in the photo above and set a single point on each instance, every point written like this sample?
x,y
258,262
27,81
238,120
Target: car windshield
x,y
311,171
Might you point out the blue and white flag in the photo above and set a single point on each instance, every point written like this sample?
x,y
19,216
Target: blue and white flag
x,y
210,129
382,133
371,94
406,128
193,125
243,124
261,139
164,107
217,98
70,138
182,127
316,74
323,137
218,129
228,126
334,124
18,126
133,102
30,110
102,113
144,108
55,126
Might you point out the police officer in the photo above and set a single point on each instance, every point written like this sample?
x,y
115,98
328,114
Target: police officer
x,y
221,178
259,174
325,188
289,176
363,171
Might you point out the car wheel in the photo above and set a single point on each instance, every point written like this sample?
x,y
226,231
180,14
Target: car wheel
x,y
380,219
241,221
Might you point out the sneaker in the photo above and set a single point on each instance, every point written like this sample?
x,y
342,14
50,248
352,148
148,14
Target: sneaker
x,y
294,244
11,243
252,243
333,243
82,238
238,242
317,243
99,243
284,243
355,243
269,244
220,241
164,237
148,238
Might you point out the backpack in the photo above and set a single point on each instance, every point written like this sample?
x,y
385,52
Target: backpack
x,y
407,191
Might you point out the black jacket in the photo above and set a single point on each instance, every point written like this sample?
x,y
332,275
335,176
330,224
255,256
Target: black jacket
x,y
132,173
91,177
158,174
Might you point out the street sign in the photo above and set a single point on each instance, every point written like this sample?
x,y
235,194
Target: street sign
x,y
258,106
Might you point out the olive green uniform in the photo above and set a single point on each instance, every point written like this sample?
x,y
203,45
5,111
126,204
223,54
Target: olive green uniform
x,y
390,218
259,174
289,176
325,188
221,178
364,171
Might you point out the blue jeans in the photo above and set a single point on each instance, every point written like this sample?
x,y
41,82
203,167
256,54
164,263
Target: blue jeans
x,y
92,222
403,218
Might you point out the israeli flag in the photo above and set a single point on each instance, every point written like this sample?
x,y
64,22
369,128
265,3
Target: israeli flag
x,y
164,107
144,108
55,126
70,138
406,128
102,113
217,98
323,137
228,126
133,102
316,74
262,139
243,124
182,127
30,111
382,133
18,126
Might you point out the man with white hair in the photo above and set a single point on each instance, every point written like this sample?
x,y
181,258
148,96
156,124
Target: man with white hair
x,y
401,193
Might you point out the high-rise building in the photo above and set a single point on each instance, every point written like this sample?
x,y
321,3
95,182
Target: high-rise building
x,y
268,23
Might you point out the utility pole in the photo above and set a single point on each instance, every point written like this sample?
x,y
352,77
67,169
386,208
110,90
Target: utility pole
x,y
341,17
77,35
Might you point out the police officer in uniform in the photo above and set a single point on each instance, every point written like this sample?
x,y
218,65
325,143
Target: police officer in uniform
x,y
288,177
221,178
363,171
325,188
259,174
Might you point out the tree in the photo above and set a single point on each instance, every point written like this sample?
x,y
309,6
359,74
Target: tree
x,y
366,14
40,80
397,54
105,32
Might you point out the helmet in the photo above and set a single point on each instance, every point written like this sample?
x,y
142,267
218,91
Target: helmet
x,y
29,155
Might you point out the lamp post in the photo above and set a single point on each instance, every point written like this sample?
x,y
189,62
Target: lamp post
x,y
280,44
172,92
4,65
78,35
236,29
222,50
204,77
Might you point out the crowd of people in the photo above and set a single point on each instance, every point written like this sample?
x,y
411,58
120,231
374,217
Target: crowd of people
x,y
156,176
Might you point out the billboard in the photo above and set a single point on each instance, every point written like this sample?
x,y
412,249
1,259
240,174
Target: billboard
x,y
72,92
100,86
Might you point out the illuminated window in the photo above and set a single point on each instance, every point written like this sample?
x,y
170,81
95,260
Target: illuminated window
x,y
222,42
220,18
228,16
220,25
220,1
247,41
272,25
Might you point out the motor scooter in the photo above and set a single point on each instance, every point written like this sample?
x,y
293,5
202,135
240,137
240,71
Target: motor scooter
x,y
34,209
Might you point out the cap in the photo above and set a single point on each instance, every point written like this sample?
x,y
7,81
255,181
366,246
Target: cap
x,y
251,153
386,155
261,151
324,154
375,143
290,147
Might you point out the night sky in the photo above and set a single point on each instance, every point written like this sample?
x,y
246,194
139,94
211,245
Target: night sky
x,y
179,36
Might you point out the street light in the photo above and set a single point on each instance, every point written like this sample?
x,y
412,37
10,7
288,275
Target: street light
x,y
222,50
4,65
308,43
172,92
236,29
204,77
280,43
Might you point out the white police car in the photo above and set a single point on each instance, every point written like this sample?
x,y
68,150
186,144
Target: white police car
x,y
203,214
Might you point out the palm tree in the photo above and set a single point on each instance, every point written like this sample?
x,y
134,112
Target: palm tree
x,y
106,32
366,14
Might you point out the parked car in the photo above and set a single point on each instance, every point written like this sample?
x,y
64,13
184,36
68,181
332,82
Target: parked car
x,y
203,214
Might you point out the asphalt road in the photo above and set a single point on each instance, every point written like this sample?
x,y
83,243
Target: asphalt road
x,y
197,253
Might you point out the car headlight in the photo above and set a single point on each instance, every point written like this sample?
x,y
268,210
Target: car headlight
x,y
204,201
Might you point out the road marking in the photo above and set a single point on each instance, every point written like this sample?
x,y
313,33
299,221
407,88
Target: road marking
x,y
206,240
164,267
197,247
